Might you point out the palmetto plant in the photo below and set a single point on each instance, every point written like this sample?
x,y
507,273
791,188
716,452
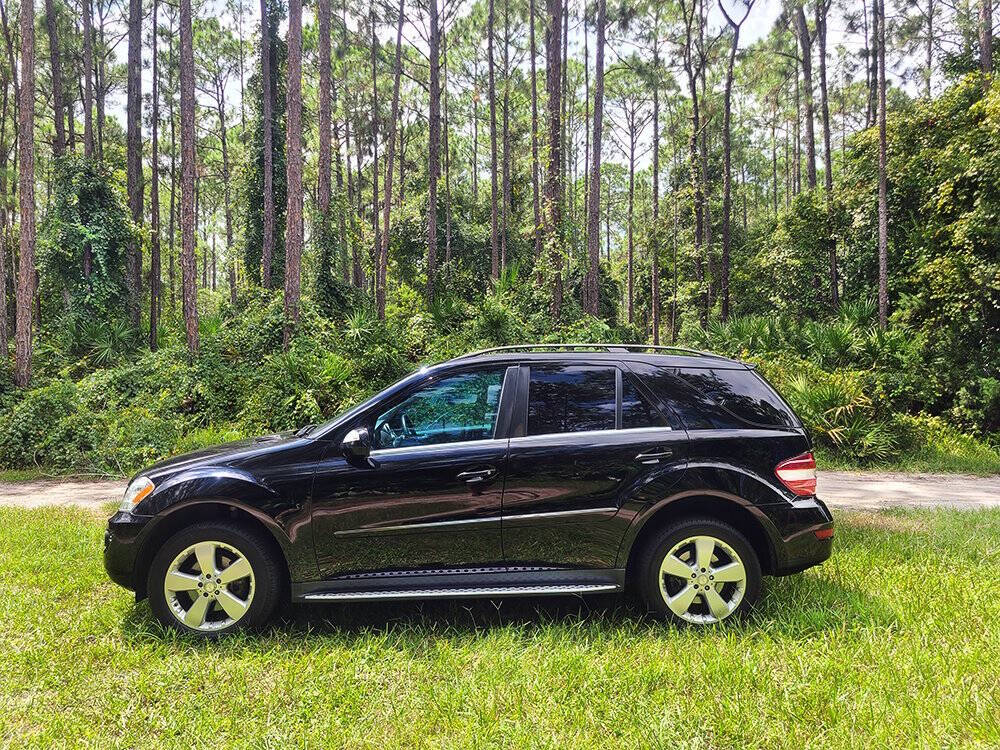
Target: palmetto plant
x,y
839,415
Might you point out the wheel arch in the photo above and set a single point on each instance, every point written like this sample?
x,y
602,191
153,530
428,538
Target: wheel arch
x,y
180,516
722,506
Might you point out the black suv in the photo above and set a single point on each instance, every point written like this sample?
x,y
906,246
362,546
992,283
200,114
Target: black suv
x,y
522,470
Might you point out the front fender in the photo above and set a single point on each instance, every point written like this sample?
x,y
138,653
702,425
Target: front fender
x,y
202,491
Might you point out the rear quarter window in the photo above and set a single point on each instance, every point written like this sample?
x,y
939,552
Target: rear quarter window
x,y
742,393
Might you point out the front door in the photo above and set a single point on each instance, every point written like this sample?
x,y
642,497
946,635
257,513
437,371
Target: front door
x,y
593,441
429,496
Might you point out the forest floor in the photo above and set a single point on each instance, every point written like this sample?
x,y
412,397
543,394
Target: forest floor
x,y
840,489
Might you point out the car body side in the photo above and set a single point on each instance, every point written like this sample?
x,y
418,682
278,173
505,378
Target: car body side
x,y
273,482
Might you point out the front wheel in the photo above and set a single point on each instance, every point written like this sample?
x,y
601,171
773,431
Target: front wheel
x,y
214,578
699,572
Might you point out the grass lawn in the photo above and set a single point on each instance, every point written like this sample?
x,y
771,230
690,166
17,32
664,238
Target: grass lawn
x,y
894,642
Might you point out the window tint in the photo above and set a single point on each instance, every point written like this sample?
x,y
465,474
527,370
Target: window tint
x,y
696,410
743,393
636,410
454,408
571,399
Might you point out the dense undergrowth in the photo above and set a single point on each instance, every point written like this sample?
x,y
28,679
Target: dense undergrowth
x,y
922,394
99,408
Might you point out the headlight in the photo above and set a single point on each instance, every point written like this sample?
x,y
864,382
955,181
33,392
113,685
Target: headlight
x,y
137,490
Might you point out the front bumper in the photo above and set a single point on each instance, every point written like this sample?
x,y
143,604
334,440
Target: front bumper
x,y
800,547
122,542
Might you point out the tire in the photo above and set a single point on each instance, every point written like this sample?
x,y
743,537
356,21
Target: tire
x,y
688,594
241,593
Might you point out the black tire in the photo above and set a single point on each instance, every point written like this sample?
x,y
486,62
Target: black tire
x,y
648,572
253,545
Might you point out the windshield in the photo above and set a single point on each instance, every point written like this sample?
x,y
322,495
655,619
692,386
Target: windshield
x,y
318,431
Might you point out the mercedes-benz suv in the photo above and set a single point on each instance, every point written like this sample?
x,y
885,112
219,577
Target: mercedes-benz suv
x,y
517,471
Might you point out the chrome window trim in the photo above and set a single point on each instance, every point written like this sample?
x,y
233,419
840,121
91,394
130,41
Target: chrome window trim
x,y
524,438
630,430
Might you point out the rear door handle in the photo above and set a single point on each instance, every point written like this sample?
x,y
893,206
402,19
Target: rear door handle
x,y
653,457
478,475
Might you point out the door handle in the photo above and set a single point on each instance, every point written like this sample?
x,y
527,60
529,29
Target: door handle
x,y
653,457
479,475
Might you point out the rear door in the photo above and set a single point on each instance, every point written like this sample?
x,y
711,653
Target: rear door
x,y
589,439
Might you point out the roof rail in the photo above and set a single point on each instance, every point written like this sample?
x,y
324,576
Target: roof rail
x,y
599,347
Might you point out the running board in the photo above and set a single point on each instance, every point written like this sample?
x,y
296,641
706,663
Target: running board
x,y
464,592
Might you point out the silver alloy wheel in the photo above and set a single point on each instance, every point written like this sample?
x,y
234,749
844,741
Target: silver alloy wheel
x,y
209,586
702,580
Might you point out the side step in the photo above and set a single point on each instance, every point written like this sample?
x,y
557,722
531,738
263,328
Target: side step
x,y
463,592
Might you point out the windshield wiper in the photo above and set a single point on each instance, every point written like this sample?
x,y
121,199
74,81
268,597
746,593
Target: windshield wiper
x,y
304,430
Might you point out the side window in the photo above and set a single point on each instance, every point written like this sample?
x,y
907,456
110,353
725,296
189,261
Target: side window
x,y
695,410
452,409
636,410
571,399
742,393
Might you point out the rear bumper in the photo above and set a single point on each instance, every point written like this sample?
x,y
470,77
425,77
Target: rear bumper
x,y
800,548
122,541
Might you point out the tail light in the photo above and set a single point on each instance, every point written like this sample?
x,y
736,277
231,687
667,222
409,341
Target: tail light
x,y
798,474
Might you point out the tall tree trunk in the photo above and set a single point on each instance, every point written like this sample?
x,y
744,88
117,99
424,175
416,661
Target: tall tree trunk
x,y
594,207
553,183
433,147
267,94
383,259
226,171
134,155
727,173
189,271
805,45
323,188
822,7
691,68
154,192
171,246
631,208
536,205
58,143
492,94
883,209
27,275
293,156
345,272
586,137
475,133
985,36
88,74
5,196
727,168
101,78
505,234
447,151
929,51
374,113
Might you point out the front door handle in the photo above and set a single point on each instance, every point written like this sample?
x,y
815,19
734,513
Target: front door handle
x,y
653,457
478,475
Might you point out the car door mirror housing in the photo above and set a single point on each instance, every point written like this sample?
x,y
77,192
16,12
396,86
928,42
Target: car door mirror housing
x,y
357,443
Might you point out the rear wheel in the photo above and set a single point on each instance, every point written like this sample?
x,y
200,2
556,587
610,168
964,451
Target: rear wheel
x,y
699,572
214,578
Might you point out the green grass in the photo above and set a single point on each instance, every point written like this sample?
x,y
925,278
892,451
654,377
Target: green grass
x,y
892,643
927,460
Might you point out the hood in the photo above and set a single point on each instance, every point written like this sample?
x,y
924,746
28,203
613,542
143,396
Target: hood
x,y
225,454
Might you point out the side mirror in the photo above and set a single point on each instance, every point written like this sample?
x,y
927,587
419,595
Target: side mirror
x,y
357,443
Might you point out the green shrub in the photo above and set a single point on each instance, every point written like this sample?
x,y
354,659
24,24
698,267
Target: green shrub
x,y
25,431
